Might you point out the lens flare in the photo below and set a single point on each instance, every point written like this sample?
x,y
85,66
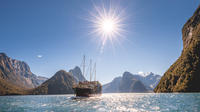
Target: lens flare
x,y
107,23
108,26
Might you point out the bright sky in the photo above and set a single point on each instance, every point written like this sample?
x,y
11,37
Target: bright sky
x,y
51,35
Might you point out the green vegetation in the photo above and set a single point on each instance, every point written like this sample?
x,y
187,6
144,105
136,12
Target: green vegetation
x,y
184,74
9,89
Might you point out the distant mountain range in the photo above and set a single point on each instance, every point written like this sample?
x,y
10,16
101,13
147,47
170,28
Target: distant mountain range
x,y
132,83
150,80
16,76
60,83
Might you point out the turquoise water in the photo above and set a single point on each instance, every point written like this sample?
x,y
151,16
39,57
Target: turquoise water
x,y
105,103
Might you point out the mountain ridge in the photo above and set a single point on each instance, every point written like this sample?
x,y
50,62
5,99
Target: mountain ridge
x,y
16,76
76,72
148,80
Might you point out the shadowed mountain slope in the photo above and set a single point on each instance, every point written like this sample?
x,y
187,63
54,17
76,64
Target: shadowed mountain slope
x,y
60,83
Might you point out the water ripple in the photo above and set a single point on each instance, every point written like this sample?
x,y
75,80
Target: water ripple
x,y
122,102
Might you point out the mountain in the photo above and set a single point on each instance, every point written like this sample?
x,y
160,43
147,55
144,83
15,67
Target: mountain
x,y
150,80
60,83
127,83
130,84
41,79
184,74
16,75
10,89
76,72
113,86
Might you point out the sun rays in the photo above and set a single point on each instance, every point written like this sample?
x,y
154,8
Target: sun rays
x,y
107,24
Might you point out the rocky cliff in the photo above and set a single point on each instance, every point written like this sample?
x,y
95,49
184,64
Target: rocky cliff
x,y
76,72
18,73
184,74
16,76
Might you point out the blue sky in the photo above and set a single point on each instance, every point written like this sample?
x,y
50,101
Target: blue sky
x,y
57,30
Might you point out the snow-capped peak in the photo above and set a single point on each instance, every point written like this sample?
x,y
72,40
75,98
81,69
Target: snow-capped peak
x,y
145,74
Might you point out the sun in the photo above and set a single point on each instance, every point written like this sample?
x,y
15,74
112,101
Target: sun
x,y
107,23
108,26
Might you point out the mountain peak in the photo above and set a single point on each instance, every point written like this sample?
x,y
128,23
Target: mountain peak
x,y
150,80
76,72
16,74
127,74
60,83
3,54
61,72
77,68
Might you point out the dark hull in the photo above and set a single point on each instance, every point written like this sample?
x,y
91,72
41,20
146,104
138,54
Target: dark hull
x,y
88,89
86,92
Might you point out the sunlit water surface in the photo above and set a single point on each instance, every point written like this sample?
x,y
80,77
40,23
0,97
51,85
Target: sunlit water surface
x,y
105,103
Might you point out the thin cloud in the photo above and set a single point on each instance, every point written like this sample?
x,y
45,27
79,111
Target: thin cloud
x,y
39,56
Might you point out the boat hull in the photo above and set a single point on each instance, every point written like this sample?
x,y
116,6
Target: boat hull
x,y
88,90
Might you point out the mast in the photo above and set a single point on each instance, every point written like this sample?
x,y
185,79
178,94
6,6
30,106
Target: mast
x,y
90,70
95,71
84,65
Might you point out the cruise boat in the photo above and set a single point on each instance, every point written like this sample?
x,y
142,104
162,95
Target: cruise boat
x,y
88,88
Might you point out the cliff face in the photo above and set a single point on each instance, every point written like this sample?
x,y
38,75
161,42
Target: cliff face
x,y
60,83
76,72
184,74
18,73
16,76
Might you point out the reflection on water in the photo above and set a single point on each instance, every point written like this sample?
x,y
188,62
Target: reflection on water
x,y
106,102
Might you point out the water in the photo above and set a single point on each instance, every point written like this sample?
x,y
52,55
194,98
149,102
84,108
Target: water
x,y
105,103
